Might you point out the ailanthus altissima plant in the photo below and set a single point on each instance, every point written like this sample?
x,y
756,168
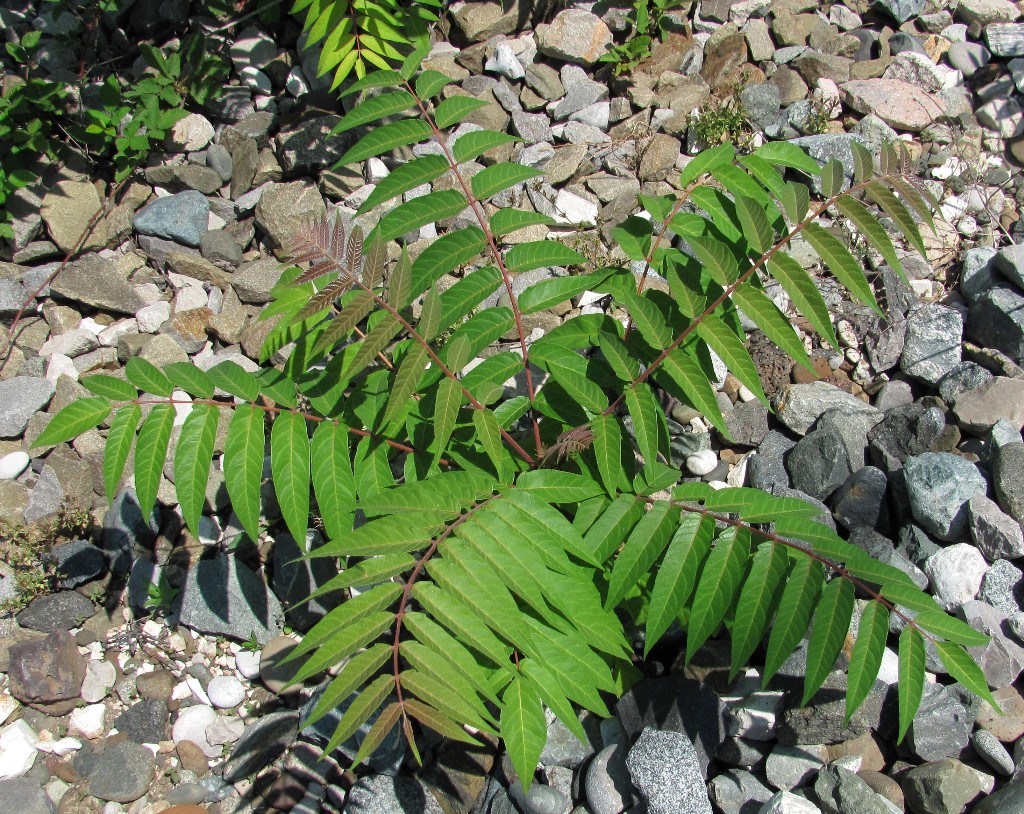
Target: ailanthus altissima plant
x,y
505,538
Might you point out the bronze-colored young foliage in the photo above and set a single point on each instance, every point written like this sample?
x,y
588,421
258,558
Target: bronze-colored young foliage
x,y
519,528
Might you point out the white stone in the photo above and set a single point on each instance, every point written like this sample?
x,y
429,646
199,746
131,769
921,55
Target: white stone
x,y
89,721
786,802
196,687
191,726
571,208
190,297
91,325
257,80
376,171
296,83
952,166
1003,115
12,465
56,789
99,678
755,716
61,365
8,704
226,729
109,335
702,462
151,317
17,749
209,530
226,692
192,133
252,48
71,343
505,62
182,408
955,572
64,746
247,663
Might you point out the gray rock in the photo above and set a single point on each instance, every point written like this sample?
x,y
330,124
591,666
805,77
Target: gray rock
x,y
538,799
784,802
963,378
263,741
978,273
992,751
22,397
788,767
218,246
939,484
840,791
1010,261
294,579
824,458
218,159
575,36
956,573
826,515
738,792
182,218
942,726
563,748
608,786
901,10
996,534
996,320
828,147
746,754
121,773
77,562
1002,587
664,769
799,406
932,345
999,399
284,210
125,529
748,423
823,719
861,500
53,612
1008,479
144,721
223,597
1005,39
47,496
309,147
254,281
25,796
1008,800
1002,659
881,548
767,468
968,57
382,794
761,103
940,787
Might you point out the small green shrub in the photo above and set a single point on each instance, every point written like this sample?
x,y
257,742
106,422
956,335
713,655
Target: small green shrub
x,y
507,536
721,122
649,26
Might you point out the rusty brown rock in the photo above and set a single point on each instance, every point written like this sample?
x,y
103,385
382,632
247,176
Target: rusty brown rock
x,y
47,673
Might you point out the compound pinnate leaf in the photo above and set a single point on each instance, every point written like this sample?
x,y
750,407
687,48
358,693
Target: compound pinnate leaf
x,y
831,624
333,481
367,702
289,463
150,452
192,457
911,671
243,465
353,675
523,728
118,446
78,417
866,658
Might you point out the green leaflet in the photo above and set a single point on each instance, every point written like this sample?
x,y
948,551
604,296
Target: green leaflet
x,y
611,528
706,161
386,138
649,426
444,255
390,534
608,451
683,377
553,486
434,636
404,177
540,253
962,666
333,481
79,416
831,624
867,655
447,401
911,672
548,293
400,282
872,230
569,369
118,447
430,82
353,675
192,457
756,229
794,614
767,316
757,602
457,692
232,378
804,294
243,465
832,178
840,262
724,341
505,221
150,452
109,387
186,376
429,208
289,463
370,110
523,728
145,376
634,236
795,200
497,177
716,258
490,437
362,708
470,145
448,610
404,381
455,109
719,582
787,155
950,628
645,545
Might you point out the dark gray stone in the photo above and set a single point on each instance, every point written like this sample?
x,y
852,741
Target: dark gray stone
x,y
915,544
940,787
218,246
182,218
761,103
738,792
996,320
767,468
1002,659
218,159
901,41
24,795
840,791
675,705
53,612
939,484
823,459
22,397
748,423
997,535
144,721
932,345
978,273
607,785
77,562
942,726
94,280
1008,479
223,597
1008,800
263,741
1010,261
121,773
823,720
563,748
310,147
962,378
383,794
1002,587
125,529
881,548
861,501
294,579
664,769
968,57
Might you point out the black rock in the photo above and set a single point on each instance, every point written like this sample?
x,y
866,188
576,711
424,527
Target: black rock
x,y
912,430
77,562
144,722
824,458
767,468
1008,479
53,612
860,501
